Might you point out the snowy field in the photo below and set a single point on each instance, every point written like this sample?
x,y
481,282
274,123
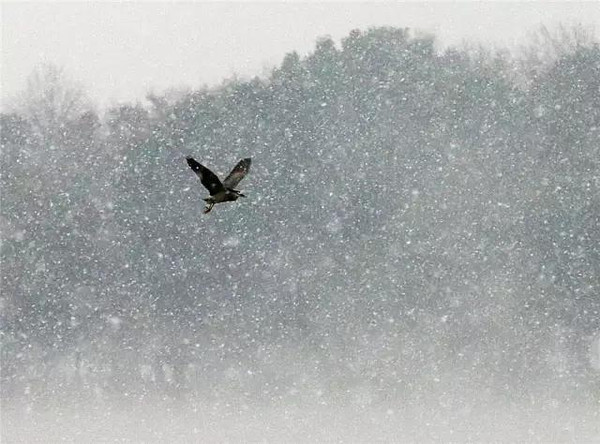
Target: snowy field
x,y
160,422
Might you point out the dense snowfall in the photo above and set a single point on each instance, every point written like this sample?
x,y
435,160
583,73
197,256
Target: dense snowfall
x,y
418,257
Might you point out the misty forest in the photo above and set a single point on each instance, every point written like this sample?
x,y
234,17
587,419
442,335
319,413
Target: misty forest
x,y
418,256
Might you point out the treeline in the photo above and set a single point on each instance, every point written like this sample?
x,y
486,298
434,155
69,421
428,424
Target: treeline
x,y
415,218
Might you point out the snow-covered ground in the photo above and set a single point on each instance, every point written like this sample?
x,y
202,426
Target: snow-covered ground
x,y
234,421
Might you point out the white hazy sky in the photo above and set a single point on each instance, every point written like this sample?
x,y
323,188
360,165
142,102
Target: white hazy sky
x,y
120,51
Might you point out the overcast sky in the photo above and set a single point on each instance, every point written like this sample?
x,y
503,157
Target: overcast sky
x,y
120,51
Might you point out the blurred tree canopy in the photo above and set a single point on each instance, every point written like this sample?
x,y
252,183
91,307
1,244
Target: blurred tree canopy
x,y
411,212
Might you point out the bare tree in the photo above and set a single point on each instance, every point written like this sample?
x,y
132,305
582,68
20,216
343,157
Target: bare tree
x,y
546,46
51,100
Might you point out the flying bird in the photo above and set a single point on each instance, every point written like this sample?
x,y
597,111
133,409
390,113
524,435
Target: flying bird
x,y
220,191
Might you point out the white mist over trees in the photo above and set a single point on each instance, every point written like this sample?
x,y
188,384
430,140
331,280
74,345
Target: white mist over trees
x,y
421,225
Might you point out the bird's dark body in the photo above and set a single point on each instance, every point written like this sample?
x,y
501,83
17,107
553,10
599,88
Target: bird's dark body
x,y
220,191
224,196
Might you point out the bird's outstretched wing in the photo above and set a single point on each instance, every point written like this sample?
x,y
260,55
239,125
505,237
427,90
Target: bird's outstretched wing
x,y
209,179
238,173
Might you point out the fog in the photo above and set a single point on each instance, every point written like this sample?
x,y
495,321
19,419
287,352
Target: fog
x,y
417,257
122,51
